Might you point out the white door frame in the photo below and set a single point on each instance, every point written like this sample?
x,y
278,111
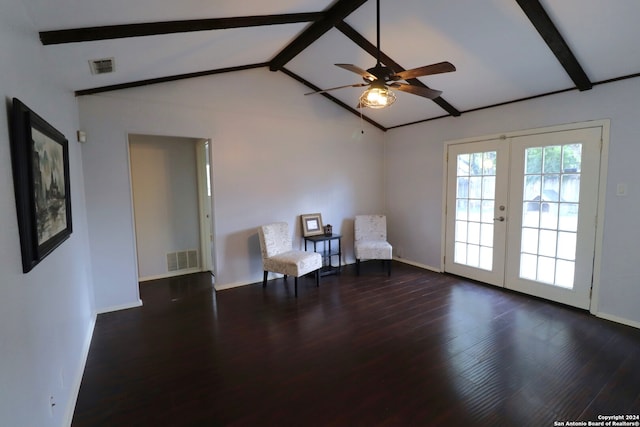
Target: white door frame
x,y
205,204
605,124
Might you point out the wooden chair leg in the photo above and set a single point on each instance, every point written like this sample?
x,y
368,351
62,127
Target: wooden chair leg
x,y
357,267
388,267
318,278
264,279
296,286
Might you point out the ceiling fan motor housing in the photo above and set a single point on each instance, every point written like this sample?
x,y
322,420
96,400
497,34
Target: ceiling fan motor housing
x,y
381,73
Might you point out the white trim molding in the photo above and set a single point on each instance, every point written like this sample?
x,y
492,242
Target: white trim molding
x,y
77,379
120,307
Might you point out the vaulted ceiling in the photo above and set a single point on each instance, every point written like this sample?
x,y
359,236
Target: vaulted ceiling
x,y
503,50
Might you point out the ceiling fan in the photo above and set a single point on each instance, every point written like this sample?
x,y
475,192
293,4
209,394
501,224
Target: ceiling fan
x,y
379,78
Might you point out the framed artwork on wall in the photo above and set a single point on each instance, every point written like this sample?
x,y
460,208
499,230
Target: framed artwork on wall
x,y
40,161
312,224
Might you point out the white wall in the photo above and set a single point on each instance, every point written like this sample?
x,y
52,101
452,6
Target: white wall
x,y
276,154
415,173
165,200
46,315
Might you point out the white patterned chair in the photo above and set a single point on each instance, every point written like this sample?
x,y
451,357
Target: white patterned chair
x,y
370,240
278,255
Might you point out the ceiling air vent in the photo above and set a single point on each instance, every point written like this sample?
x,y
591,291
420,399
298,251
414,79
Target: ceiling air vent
x,y
102,66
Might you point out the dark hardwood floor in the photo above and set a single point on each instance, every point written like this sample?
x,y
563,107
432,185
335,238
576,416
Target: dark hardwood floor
x,y
414,349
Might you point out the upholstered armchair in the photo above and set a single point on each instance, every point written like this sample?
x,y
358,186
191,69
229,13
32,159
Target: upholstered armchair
x,y
370,240
278,255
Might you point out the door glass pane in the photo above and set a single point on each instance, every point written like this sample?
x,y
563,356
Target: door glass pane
x,y
474,210
487,211
546,269
489,187
568,217
550,214
489,163
486,258
475,204
552,159
486,235
475,187
571,158
529,240
463,187
570,188
473,255
564,273
460,253
474,233
547,244
463,165
533,161
475,168
461,208
528,266
461,231
567,245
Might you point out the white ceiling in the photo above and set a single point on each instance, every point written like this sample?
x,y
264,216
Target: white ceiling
x,y
499,54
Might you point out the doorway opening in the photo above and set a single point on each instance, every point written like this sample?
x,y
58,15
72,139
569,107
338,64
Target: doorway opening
x,y
171,198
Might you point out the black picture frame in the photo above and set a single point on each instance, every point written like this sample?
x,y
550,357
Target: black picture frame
x,y
40,162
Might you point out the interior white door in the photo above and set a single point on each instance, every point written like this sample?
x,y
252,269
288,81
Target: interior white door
x,y
521,212
551,232
477,184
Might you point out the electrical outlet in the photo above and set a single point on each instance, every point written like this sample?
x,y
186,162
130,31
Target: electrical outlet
x,y
52,404
621,189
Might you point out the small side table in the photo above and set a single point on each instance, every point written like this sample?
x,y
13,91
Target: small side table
x,y
327,252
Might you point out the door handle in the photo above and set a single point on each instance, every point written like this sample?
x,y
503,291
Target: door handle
x,y
500,218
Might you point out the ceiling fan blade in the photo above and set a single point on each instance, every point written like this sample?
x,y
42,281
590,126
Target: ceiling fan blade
x,y
440,67
355,69
339,87
417,90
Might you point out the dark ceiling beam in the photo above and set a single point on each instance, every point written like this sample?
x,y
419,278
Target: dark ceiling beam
x,y
333,16
108,32
542,22
337,101
174,78
501,104
358,39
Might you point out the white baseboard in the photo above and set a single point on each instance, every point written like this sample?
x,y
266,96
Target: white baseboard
x,y
344,264
77,380
170,274
233,285
120,307
417,264
271,276
618,319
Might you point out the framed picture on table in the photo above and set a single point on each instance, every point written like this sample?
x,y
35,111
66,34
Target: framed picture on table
x,y
312,224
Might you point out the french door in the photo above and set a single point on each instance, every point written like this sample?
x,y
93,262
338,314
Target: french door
x,y
477,184
521,212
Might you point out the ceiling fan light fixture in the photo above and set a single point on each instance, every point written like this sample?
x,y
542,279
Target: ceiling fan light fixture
x,y
377,97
